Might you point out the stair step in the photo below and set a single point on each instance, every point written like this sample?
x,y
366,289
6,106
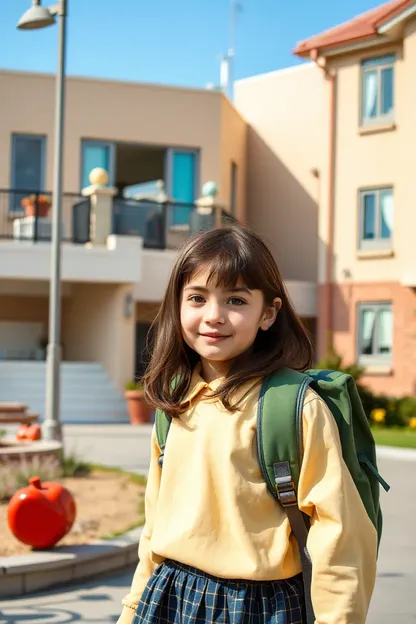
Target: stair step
x,y
87,393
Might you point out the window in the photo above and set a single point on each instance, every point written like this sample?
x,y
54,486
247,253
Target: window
x,y
376,219
96,154
233,189
377,85
375,333
27,167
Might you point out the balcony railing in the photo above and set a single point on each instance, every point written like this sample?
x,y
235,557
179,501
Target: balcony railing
x,y
161,225
17,224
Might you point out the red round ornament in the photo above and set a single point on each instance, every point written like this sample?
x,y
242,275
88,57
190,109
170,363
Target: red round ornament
x,y
41,514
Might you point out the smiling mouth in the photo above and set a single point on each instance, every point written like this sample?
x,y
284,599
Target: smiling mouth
x,y
214,336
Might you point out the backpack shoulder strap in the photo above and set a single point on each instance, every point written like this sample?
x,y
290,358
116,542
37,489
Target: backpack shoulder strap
x,y
280,450
162,423
280,423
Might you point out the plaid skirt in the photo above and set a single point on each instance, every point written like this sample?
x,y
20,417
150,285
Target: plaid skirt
x,y
179,594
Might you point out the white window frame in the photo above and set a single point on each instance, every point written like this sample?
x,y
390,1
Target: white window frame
x,y
376,358
377,242
377,65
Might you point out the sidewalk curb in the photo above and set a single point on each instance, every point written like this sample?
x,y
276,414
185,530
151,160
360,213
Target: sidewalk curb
x,y
25,574
394,452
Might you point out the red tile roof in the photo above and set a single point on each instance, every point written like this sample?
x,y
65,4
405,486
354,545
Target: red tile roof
x,y
360,28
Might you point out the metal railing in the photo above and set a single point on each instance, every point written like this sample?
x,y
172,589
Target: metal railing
x,y
30,223
162,225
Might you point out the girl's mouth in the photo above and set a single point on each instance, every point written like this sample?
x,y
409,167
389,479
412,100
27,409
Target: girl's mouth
x,y
212,338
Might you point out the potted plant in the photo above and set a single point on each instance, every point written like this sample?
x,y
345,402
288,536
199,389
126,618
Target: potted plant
x,y
36,205
139,411
41,349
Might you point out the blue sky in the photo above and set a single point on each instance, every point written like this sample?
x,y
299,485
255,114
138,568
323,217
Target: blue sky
x,y
169,41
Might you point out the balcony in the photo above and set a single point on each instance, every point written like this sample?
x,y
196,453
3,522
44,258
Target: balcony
x,y
160,224
105,238
18,225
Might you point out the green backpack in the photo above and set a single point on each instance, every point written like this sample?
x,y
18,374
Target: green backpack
x,y
280,446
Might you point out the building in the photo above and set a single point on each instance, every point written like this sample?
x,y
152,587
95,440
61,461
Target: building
x,y
337,138
157,143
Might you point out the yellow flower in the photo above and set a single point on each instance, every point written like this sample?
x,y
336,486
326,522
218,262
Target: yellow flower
x,y
412,423
378,415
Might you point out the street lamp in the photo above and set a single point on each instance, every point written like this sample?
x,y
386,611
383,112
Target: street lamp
x,y
39,17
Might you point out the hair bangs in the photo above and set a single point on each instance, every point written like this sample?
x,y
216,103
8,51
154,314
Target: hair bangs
x,y
226,265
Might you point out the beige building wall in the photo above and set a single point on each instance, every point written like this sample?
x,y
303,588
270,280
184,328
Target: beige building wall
x,y
124,112
24,309
146,311
96,330
287,113
233,148
375,159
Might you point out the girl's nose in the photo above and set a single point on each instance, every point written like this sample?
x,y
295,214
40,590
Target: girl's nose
x,y
214,313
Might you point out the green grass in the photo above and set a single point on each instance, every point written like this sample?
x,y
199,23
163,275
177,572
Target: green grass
x,y
404,438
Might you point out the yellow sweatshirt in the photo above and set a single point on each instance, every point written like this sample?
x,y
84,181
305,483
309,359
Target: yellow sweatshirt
x,y
210,508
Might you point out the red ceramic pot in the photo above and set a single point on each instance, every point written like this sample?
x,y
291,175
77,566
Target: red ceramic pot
x,y
29,432
22,433
41,514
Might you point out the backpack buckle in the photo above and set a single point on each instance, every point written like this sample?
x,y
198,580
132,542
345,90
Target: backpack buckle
x,y
287,499
285,486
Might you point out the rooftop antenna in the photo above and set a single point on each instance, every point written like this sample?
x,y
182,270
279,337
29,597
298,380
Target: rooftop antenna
x,y
227,62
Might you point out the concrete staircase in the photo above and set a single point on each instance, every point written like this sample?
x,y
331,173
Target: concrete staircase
x,y
87,393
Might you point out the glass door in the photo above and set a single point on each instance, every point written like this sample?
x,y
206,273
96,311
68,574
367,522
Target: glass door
x,y
181,183
97,154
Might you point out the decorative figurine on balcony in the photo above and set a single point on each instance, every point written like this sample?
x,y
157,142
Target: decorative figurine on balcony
x,y
98,177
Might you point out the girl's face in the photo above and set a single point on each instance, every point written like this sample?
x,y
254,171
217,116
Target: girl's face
x,y
219,323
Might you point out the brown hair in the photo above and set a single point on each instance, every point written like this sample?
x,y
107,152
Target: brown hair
x,y
230,253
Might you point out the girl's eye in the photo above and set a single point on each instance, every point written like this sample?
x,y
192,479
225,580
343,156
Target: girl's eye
x,y
237,301
196,299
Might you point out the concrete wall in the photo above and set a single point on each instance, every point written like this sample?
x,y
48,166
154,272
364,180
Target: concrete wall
x,y
287,112
96,330
119,262
156,270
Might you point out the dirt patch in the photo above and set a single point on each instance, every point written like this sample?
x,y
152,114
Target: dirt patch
x,y
107,503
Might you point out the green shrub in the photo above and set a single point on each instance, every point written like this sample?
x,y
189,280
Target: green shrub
x,y
397,412
74,466
407,409
134,385
333,361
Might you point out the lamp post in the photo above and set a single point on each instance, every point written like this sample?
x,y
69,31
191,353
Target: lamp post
x,y
39,17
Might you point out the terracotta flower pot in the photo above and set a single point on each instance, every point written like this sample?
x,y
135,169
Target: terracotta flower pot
x,y
43,210
139,411
39,205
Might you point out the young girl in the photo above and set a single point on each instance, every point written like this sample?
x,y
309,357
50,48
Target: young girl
x,y
216,546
